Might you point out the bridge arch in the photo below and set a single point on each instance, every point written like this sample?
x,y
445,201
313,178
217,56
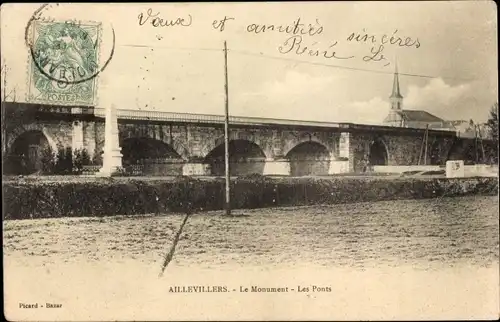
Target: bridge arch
x,y
309,158
28,153
136,149
435,153
176,146
245,157
378,153
155,157
258,139
305,138
463,150
19,130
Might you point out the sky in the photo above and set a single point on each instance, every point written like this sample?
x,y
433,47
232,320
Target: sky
x,y
451,52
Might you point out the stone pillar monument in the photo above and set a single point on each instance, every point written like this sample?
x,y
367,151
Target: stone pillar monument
x,y
112,157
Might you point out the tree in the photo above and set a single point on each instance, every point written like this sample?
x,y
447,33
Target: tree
x,y
492,123
48,160
5,96
492,126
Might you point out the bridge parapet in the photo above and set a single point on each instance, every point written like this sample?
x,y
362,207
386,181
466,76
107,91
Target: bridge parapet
x,y
211,118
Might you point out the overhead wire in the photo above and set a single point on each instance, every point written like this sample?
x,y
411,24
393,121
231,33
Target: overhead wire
x,y
299,61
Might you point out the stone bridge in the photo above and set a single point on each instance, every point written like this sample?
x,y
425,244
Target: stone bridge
x,y
176,143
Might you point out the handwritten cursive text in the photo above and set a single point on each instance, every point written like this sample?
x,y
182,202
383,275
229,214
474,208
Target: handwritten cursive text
x,y
295,44
157,21
296,28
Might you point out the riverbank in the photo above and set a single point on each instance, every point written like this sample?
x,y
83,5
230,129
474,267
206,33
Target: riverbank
x,y
40,199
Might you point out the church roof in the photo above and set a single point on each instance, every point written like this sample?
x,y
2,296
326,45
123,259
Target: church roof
x,y
419,116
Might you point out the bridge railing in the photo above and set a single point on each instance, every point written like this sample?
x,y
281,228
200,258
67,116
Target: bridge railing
x,y
208,118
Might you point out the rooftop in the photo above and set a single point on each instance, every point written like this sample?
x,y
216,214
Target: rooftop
x,y
419,116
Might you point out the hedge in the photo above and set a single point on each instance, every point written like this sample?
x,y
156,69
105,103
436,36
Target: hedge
x,y
115,197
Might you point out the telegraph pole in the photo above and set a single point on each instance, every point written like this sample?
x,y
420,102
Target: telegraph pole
x,y
226,136
426,143
475,144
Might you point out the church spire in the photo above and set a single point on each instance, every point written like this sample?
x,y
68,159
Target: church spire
x,y
396,97
395,85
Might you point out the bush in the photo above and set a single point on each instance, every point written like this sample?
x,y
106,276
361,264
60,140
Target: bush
x,y
186,194
80,158
48,160
64,160
97,158
252,176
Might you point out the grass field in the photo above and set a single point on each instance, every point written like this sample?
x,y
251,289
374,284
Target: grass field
x,y
393,259
445,230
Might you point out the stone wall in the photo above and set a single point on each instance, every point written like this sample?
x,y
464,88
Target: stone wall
x,y
358,149
439,148
401,150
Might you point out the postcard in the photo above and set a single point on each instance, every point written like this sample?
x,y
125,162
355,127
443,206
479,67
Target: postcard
x,y
250,161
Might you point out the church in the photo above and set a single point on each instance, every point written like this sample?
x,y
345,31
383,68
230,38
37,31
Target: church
x,y
409,118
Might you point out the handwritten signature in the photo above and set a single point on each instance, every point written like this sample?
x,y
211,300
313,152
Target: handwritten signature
x,y
295,44
377,44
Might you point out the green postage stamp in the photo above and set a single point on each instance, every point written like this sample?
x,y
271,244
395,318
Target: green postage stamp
x,y
63,64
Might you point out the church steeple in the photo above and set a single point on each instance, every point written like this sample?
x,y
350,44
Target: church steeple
x,y
396,97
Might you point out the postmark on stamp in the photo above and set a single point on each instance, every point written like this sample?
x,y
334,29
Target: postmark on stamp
x,y
64,62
